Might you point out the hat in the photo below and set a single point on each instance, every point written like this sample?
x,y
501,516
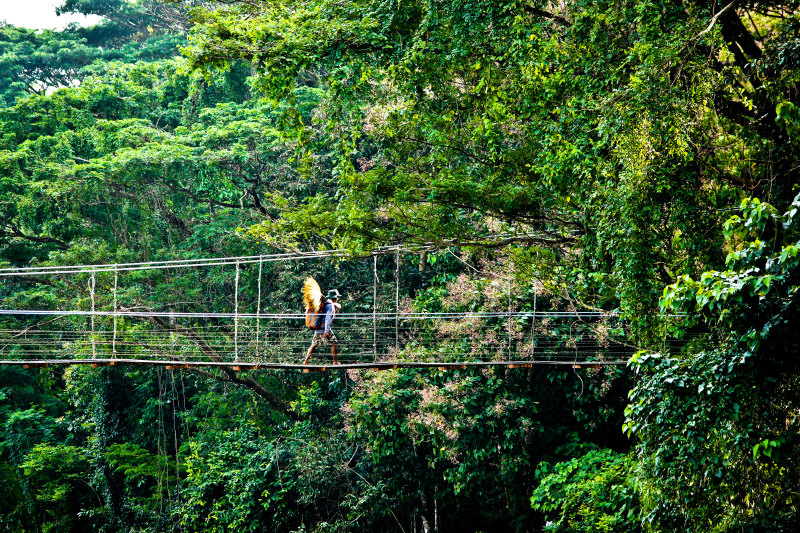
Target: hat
x,y
333,293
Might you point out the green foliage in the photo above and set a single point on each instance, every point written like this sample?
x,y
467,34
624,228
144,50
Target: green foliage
x,y
593,492
32,61
56,476
125,22
593,147
35,62
484,118
716,416
25,429
754,297
137,464
463,437
238,480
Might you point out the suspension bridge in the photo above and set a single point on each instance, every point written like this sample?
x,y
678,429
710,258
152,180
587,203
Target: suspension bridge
x,y
115,321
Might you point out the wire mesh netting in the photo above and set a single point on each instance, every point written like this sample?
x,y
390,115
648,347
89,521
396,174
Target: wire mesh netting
x,y
445,337
218,310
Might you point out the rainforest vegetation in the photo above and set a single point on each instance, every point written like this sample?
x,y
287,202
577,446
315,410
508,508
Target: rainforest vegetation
x,y
638,157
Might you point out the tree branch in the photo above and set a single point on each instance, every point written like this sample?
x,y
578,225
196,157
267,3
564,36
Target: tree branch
x,y
546,14
715,17
229,374
13,231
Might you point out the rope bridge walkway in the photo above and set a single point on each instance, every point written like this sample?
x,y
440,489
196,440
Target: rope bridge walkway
x,y
111,331
280,341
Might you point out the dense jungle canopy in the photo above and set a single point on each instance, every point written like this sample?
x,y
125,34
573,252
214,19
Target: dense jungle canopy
x,y
638,157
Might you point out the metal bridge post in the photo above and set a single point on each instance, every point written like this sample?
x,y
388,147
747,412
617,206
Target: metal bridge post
x,y
236,315
375,306
114,338
91,292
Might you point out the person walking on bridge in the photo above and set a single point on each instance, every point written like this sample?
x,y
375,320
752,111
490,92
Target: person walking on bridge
x,y
320,319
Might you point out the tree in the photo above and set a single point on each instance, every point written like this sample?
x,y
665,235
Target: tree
x,y
720,415
610,138
593,492
33,61
593,132
596,147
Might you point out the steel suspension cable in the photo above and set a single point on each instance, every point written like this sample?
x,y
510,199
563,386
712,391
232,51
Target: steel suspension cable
x,y
397,300
91,292
236,313
114,342
258,307
374,303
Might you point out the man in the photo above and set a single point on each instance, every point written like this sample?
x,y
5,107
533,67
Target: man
x,y
324,336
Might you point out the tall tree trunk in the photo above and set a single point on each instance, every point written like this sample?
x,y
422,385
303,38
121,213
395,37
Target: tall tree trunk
x,y
426,525
423,498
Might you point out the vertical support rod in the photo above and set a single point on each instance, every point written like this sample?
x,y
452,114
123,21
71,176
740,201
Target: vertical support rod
x,y
236,315
397,300
114,338
375,305
533,324
510,275
258,304
91,292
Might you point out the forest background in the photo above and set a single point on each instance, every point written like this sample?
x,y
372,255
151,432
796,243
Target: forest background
x,y
634,156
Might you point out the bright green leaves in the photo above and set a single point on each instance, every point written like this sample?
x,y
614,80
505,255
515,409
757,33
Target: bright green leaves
x,y
788,114
32,61
282,42
768,448
139,465
458,434
696,426
593,492
753,221
134,129
762,264
57,473
713,414
416,117
38,61
235,481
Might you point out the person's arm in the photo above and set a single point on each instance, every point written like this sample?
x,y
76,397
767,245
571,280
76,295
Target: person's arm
x,y
329,318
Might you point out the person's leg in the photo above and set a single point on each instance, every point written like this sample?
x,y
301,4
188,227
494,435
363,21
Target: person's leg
x,y
308,354
335,351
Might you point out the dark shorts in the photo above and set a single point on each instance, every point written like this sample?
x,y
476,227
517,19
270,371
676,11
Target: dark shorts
x,y
320,341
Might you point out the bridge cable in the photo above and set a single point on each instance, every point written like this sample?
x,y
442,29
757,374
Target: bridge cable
x,y
236,315
375,306
91,292
258,308
397,300
114,340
